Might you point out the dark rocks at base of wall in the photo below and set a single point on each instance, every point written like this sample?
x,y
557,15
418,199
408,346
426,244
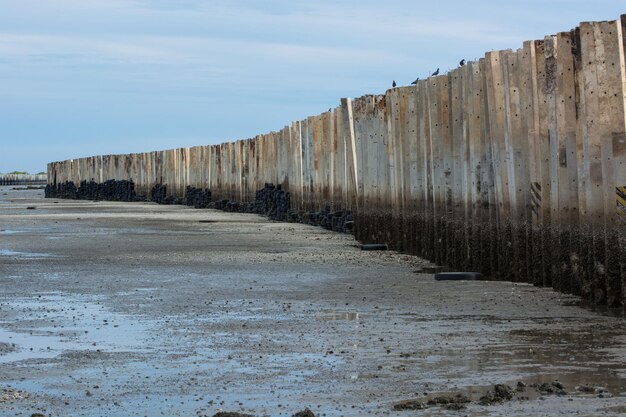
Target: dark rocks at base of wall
x,y
233,206
197,197
124,190
271,201
194,197
274,202
111,190
158,195
66,190
338,220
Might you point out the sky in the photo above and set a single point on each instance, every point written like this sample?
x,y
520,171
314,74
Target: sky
x,y
93,77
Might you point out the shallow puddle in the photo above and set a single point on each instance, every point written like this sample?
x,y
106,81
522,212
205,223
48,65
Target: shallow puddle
x,y
73,324
30,346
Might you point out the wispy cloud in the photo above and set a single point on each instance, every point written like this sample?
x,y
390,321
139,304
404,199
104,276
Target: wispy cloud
x,y
121,71
211,56
21,45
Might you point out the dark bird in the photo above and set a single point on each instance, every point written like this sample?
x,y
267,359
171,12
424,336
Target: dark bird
x,y
415,82
394,83
462,63
435,73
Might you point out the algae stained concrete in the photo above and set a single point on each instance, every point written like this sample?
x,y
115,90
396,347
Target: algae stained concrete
x,y
133,309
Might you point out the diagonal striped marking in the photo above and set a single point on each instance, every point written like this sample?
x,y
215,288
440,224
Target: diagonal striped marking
x,y
533,199
620,197
534,209
535,193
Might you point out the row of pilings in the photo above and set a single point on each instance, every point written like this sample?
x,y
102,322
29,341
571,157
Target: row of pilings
x,y
513,165
23,179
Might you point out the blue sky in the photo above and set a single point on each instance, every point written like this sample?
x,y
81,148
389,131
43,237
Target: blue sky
x,y
90,77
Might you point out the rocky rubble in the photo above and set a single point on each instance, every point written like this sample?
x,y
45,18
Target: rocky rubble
x,y
197,197
11,394
554,387
304,413
499,393
274,202
111,190
271,201
158,195
455,401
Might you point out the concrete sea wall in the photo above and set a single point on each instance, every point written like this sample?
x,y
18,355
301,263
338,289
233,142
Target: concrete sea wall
x,y
513,165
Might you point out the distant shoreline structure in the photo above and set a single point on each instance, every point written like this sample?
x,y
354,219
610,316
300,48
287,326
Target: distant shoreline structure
x,y
22,179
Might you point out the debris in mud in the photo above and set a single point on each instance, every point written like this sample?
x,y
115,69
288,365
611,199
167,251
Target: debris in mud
x,y
618,410
449,399
409,405
451,402
37,415
86,355
554,387
304,413
6,348
9,395
499,393
590,389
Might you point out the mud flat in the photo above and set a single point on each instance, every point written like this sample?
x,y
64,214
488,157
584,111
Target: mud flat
x,y
133,309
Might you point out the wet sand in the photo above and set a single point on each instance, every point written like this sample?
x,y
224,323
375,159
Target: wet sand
x,y
133,309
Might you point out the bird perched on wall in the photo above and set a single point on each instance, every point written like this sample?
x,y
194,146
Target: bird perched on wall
x,y
435,73
394,83
462,63
415,82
